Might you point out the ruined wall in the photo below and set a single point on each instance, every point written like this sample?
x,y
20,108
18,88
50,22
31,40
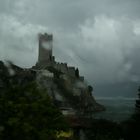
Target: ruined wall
x,y
71,71
65,69
61,67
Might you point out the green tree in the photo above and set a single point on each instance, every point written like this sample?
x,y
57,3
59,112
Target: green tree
x,y
27,113
102,129
131,126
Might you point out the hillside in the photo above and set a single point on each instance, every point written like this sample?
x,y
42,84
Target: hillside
x,y
70,95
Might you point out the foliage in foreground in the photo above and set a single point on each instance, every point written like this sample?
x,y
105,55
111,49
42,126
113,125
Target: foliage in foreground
x,y
27,113
103,130
108,130
131,127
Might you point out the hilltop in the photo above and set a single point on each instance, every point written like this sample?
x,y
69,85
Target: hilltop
x,y
67,89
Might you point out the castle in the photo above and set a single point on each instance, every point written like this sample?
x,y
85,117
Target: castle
x,y
64,83
46,57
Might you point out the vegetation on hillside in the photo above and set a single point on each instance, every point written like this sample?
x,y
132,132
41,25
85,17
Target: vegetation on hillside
x,y
27,113
103,130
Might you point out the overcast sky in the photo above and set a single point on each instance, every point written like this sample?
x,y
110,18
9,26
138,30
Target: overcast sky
x,y
101,37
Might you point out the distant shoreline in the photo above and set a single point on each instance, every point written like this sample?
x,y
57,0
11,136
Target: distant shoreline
x,y
114,98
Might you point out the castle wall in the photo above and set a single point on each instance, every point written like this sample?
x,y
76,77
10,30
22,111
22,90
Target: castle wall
x,y
61,67
71,71
65,69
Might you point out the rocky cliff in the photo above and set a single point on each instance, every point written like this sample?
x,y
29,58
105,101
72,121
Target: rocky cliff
x,y
70,94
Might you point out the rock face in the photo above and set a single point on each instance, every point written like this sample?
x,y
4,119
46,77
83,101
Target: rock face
x,y
70,94
63,83
11,74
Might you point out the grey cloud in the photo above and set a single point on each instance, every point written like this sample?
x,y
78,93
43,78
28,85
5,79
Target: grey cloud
x,y
19,41
101,37
102,48
111,43
66,14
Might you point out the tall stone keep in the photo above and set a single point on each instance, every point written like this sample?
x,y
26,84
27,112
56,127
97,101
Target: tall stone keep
x,y
45,49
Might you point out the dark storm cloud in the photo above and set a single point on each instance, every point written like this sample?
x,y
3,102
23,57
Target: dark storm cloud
x,y
67,14
101,37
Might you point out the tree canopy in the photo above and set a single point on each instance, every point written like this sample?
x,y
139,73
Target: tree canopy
x,y
27,113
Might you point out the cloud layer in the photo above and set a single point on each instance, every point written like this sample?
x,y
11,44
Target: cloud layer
x,y
101,37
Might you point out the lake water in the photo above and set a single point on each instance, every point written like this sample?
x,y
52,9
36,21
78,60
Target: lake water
x,y
117,109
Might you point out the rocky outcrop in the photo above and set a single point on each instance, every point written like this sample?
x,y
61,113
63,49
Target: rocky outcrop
x,y
68,93
11,74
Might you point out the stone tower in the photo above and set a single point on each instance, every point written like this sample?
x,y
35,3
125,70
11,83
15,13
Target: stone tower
x,y
45,49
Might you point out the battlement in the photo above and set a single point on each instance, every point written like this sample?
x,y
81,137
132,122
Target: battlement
x,y
45,37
